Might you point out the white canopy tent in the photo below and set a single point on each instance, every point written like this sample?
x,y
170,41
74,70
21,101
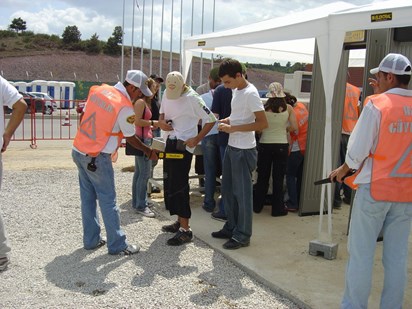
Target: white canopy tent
x,y
327,24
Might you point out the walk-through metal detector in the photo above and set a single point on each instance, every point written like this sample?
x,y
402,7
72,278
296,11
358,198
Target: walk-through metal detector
x,y
378,43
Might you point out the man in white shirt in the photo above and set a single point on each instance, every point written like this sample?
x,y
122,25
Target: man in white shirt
x,y
247,116
10,97
380,146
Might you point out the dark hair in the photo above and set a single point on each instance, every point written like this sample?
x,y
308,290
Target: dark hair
x,y
273,104
404,79
230,67
125,84
290,99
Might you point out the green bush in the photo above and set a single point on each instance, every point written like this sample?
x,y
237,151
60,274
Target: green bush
x,y
7,34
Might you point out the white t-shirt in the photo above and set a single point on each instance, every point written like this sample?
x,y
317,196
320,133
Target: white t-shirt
x,y
185,113
244,104
8,96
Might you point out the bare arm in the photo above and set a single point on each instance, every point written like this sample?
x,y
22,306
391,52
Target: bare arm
x,y
192,142
17,115
293,123
260,124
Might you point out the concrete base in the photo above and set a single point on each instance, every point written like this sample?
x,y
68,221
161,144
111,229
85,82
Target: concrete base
x,y
327,250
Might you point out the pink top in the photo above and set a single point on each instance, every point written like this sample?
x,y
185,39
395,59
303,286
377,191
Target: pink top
x,y
147,130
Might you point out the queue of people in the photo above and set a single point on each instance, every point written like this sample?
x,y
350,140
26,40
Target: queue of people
x,y
379,147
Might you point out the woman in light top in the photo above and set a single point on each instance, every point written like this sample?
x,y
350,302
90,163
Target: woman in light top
x,y
273,150
143,166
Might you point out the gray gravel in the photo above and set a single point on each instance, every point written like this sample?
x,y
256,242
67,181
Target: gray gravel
x,y
49,268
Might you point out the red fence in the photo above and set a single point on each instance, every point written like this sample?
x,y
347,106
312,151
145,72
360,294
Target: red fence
x,y
57,120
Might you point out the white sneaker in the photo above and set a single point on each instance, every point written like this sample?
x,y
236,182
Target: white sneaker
x,y
4,261
146,212
131,249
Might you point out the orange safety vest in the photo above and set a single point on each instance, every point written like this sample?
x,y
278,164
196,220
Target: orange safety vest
x,y
392,160
350,110
302,116
103,106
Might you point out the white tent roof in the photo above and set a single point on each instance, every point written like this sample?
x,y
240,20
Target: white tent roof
x,y
327,24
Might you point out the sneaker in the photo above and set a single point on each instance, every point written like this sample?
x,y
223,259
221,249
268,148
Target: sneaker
x,y
131,249
219,216
146,212
100,244
171,228
180,238
207,209
346,200
221,234
4,262
232,244
281,213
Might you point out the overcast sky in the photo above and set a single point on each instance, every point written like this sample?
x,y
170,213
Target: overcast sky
x,y
101,16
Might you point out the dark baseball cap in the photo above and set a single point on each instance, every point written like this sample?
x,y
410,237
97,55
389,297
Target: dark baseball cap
x,y
157,78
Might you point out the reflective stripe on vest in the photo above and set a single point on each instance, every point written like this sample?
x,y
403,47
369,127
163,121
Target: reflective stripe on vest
x,y
102,108
350,110
302,116
392,160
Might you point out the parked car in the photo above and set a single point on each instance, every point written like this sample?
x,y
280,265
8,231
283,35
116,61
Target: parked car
x,y
40,104
46,97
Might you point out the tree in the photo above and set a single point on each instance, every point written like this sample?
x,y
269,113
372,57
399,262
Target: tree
x,y
18,24
71,35
93,46
112,46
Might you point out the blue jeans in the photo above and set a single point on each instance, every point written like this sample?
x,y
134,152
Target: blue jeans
x,y
222,149
211,159
237,192
143,167
294,178
368,218
99,186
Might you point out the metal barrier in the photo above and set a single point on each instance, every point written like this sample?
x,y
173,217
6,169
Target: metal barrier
x,y
57,120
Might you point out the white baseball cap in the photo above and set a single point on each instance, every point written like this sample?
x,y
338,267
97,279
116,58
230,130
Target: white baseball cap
x,y
138,79
275,90
394,63
174,85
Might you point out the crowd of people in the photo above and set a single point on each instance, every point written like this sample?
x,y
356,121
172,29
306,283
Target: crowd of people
x,y
239,134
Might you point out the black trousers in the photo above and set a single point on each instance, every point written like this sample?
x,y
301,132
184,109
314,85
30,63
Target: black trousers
x,y
271,158
176,181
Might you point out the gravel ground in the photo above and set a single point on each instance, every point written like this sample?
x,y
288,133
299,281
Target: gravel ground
x,y
50,269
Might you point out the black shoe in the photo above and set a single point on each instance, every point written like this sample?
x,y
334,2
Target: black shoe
x,y
172,228
219,216
232,244
155,189
221,234
346,200
337,205
207,209
180,238
281,213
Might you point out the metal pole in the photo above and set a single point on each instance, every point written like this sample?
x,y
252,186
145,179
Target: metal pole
x,y
191,34
151,42
161,41
180,39
213,29
131,51
201,54
121,68
171,42
141,48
